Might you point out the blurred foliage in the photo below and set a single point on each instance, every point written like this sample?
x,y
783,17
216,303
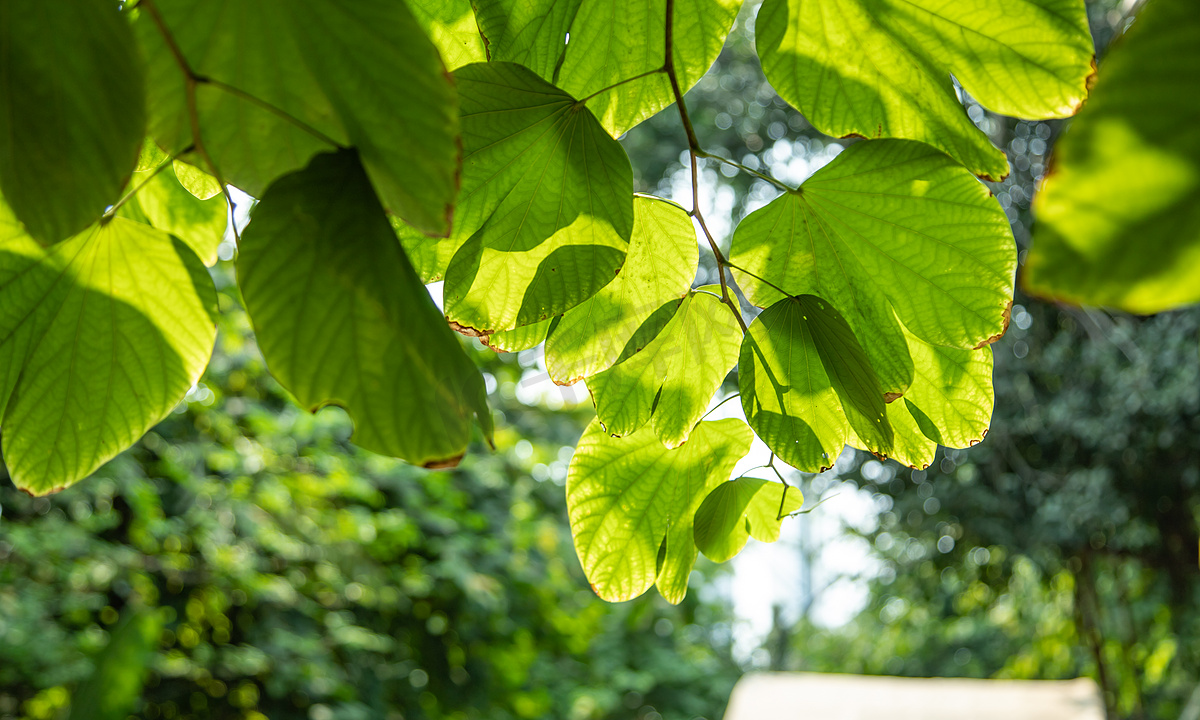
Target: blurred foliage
x,y
300,577
1065,544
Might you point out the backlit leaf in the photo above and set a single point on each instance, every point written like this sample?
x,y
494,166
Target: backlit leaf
x,y
1118,218
609,42
627,496
452,27
807,385
168,206
659,269
196,181
101,335
881,68
887,223
525,337
670,381
342,318
734,511
546,205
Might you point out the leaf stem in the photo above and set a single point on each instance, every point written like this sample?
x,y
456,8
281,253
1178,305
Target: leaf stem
x,y
760,279
694,153
714,407
619,83
112,211
191,79
278,112
746,169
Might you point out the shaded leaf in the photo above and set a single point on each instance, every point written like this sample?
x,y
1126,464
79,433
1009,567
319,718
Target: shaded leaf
x,y
72,117
101,335
734,511
342,318
627,496
881,68
659,269
288,79
1118,218
546,206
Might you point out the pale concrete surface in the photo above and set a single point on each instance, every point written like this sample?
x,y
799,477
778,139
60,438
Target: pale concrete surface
x,y
820,696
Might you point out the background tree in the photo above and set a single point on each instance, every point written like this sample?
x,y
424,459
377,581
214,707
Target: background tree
x,y
297,576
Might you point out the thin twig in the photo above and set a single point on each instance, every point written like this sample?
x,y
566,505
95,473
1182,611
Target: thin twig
x,y
760,279
694,153
746,169
278,112
619,83
714,407
190,79
112,211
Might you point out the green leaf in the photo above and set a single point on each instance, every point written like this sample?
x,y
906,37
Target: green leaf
x,y
196,181
670,382
610,42
953,391
285,80
101,335
525,337
72,117
881,68
429,256
949,403
342,318
887,223
546,203
807,385
164,203
658,270
627,497
151,156
734,511
910,445
113,689
528,32
451,25
1118,218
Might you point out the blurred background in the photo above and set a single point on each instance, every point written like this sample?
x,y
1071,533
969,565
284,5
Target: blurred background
x,y
252,563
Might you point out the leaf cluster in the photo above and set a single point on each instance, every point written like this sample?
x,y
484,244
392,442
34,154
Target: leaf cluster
x,y
388,145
